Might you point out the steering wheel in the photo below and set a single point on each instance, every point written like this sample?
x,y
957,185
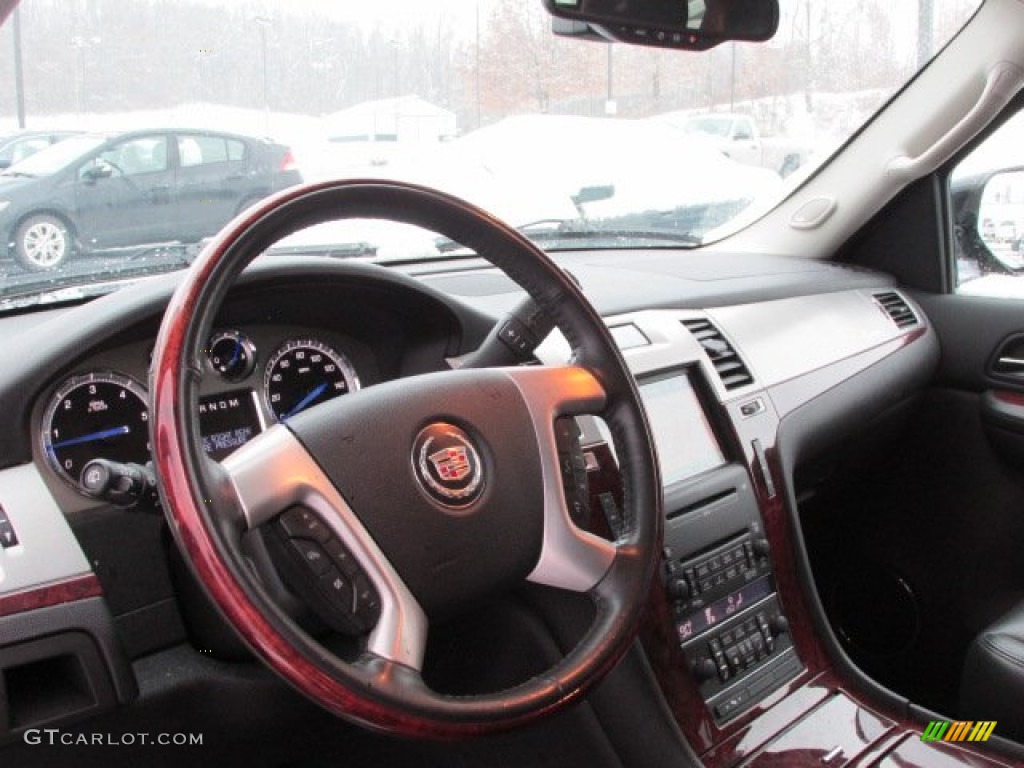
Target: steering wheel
x,y
440,488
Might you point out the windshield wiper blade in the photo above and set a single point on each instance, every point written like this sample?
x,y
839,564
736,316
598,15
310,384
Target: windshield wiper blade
x,y
686,238
359,249
18,174
557,231
58,287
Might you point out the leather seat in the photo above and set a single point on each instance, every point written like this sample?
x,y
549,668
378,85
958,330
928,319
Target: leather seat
x,y
992,687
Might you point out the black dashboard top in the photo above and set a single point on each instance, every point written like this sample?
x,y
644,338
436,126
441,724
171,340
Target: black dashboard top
x,y
447,306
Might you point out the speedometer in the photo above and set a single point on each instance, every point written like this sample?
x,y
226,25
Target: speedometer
x,y
95,416
304,372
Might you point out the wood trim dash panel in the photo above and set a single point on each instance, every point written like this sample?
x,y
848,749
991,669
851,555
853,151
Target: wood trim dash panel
x,y
57,593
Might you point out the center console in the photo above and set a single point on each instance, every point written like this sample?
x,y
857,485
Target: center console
x,y
717,572
730,628
724,616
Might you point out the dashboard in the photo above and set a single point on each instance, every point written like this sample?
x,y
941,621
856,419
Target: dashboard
x,y
271,354
746,366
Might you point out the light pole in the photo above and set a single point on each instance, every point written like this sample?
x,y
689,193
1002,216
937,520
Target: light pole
x,y
264,23
19,82
609,102
925,23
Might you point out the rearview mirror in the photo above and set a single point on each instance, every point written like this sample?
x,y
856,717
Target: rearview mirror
x,y
688,24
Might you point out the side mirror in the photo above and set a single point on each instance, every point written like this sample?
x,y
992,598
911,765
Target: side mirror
x,y
97,171
4,163
988,213
1001,217
675,24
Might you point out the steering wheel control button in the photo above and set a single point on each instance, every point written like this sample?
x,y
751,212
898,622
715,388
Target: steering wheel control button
x,y
312,555
367,602
341,557
300,523
573,467
338,589
447,465
321,571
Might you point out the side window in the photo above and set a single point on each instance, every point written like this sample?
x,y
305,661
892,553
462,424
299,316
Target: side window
x,y
207,150
22,149
145,154
742,132
987,196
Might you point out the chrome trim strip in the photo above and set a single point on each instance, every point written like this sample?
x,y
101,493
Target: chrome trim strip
x,y
47,550
778,340
570,558
272,472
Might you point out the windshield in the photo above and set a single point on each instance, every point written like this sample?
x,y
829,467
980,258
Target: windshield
x,y
54,158
709,126
210,105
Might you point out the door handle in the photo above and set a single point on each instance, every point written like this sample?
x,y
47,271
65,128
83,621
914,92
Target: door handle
x,y
1009,364
1008,360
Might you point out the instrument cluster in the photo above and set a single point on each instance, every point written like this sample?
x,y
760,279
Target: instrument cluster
x,y
252,379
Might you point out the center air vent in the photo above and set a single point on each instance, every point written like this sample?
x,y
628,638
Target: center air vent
x,y
897,308
730,367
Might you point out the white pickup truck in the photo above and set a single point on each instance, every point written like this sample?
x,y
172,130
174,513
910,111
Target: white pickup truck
x,y
737,137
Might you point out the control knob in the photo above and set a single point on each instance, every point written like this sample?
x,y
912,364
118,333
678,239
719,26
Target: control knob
x,y
678,587
779,625
704,669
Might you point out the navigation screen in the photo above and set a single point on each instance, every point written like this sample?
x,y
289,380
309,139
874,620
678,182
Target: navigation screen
x,y
684,439
227,421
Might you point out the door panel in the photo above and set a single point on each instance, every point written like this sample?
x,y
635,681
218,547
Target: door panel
x,y
211,182
125,195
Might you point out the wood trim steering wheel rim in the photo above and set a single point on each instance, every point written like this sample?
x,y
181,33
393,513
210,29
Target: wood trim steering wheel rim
x,y
377,693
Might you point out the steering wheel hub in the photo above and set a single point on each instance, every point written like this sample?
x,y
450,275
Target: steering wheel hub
x,y
448,466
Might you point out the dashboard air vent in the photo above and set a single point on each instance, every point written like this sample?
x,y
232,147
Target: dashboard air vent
x,y
897,308
730,367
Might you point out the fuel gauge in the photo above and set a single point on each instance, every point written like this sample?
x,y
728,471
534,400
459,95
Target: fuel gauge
x,y
232,355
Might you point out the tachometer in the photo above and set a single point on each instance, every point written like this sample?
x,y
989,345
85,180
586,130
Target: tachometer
x,y
95,416
304,372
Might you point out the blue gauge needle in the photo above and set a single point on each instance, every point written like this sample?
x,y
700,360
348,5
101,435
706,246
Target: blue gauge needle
x,y
236,354
92,437
313,395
